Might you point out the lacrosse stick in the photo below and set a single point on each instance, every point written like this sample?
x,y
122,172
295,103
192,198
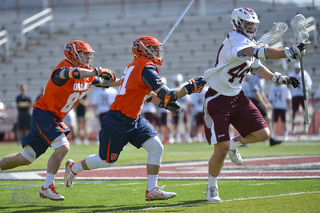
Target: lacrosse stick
x,y
273,35
299,24
270,37
177,22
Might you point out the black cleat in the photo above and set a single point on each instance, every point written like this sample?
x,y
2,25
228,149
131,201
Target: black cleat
x,y
274,142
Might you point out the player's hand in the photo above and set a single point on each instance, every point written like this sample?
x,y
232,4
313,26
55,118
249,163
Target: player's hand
x,y
283,79
295,51
105,74
194,85
174,107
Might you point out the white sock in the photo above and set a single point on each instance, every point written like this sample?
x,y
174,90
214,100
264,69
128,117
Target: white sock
x,y
77,167
212,180
49,180
152,181
235,142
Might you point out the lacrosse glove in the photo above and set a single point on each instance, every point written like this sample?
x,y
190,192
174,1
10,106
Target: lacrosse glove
x,y
295,51
283,79
105,74
173,107
194,85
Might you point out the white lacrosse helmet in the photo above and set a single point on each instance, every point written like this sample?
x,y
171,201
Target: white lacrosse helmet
x,y
245,14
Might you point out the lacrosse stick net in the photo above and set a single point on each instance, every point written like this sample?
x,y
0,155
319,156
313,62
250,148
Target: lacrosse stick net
x,y
299,25
273,35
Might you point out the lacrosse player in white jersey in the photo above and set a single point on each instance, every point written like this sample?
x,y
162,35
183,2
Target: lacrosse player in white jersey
x,y
297,95
280,98
225,102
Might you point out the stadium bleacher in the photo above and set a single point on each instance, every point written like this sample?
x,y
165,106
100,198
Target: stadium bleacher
x,y
111,27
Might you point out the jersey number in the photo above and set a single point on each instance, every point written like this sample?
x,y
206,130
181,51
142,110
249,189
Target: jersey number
x,y
238,72
124,80
73,98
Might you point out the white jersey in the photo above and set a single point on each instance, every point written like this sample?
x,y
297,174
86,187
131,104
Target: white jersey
x,y
103,98
279,95
299,90
149,108
197,100
230,70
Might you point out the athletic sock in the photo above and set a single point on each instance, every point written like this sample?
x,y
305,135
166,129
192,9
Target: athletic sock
x,y
235,142
212,180
152,181
49,180
77,167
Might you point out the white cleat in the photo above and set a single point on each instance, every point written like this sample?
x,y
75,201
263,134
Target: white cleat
x,y
212,194
51,193
86,142
69,176
158,194
235,157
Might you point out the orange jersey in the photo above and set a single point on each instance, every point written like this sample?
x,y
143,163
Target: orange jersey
x,y
133,92
61,99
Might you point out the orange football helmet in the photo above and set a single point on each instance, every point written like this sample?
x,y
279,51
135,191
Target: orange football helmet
x,y
79,53
149,47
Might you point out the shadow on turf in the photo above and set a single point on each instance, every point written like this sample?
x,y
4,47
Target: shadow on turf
x,y
98,208
49,208
149,204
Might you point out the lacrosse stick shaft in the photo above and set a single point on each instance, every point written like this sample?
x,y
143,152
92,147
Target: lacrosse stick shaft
x,y
177,22
304,92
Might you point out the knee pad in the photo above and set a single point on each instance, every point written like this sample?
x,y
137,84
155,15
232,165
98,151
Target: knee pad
x,y
28,153
95,162
60,141
155,150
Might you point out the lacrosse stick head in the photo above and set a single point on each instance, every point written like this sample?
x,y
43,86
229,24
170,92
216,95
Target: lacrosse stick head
x,y
299,25
273,35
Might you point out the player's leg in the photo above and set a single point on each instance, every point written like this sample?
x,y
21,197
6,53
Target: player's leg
x,y
12,161
61,148
155,149
295,108
109,125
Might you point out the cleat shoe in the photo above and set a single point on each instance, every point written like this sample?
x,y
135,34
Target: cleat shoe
x,y
274,142
212,194
235,157
77,142
51,193
69,176
86,142
158,194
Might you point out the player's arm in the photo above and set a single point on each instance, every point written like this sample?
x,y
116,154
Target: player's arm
x,y
264,53
278,77
100,82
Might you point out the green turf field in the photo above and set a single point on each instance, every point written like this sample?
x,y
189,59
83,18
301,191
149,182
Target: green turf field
x,y
122,196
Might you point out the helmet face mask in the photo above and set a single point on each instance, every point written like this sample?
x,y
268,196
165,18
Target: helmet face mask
x,y
79,53
149,47
245,21
86,58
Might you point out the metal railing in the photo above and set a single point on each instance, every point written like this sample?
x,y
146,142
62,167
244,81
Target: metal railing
x,y
45,15
4,39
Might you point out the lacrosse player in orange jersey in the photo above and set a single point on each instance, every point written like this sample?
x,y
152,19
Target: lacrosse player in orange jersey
x,y
123,123
225,102
68,83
